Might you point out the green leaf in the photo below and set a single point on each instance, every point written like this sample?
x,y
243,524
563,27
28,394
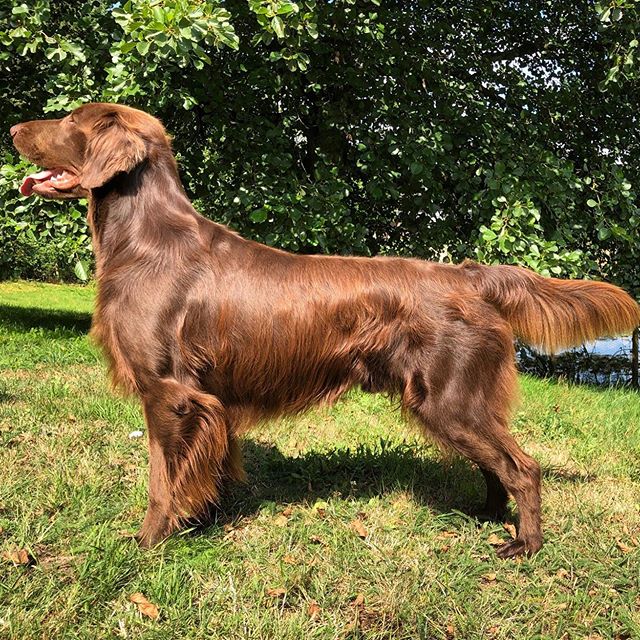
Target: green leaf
x,y
487,234
591,203
125,47
143,47
287,7
259,215
81,271
278,26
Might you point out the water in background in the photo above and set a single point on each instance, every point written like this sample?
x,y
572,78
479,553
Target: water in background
x,y
604,362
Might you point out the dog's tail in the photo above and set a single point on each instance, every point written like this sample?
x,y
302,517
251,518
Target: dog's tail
x,y
552,314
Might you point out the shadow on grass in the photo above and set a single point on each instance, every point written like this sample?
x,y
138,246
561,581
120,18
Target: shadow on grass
x,y
446,486
71,323
7,398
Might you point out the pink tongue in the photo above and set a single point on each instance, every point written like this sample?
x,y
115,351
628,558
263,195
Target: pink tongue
x,y
26,188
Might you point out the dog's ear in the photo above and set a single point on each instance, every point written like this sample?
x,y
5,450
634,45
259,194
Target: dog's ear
x,y
112,148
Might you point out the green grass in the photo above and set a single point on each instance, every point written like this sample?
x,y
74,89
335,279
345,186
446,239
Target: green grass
x,y
73,485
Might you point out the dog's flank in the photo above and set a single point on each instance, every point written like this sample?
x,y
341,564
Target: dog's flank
x,y
215,333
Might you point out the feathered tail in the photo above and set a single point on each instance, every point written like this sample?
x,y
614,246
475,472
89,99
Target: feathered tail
x,y
553,314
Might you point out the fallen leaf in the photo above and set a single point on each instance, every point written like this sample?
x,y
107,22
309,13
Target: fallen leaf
x,y
358,601
562,573
314,610
320,508
562,606
625,548
489,577
277,592
316,540
281,521
495,540
510,529
289,560
492,631
450,632
446,534
18,557
359,528
145,607
288,511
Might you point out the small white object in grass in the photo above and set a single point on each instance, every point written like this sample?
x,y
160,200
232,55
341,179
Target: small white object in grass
x,y
135,434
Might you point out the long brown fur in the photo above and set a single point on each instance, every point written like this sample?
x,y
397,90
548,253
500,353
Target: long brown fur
x,y
553,314
215,332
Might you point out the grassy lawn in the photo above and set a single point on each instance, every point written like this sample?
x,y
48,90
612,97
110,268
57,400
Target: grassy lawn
x,y
350,525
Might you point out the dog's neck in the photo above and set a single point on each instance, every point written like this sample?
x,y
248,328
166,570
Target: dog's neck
x,y
142,213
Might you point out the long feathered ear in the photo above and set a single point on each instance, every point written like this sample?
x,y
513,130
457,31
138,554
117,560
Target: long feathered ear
x,y
112,148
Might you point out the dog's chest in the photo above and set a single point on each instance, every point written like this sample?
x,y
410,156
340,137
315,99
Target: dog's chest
x,y
127,328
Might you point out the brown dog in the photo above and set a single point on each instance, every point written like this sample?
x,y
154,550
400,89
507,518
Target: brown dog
x,y
214,332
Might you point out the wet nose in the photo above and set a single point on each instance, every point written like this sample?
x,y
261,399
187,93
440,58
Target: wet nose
x,y
14,130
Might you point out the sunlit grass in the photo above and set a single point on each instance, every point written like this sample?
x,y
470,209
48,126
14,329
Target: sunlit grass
x,y
74,485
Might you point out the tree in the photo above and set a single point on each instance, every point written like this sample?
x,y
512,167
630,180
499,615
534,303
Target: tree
x,y
484,129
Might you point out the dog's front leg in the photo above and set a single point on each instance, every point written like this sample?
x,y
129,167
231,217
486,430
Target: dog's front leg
x,y
189,444
159,521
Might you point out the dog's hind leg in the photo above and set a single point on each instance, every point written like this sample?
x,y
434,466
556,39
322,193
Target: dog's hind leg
x,y
233,467
232,471
189,449
487,442
463,401
495,506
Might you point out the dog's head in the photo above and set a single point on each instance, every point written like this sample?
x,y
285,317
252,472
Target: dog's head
x,y
86,149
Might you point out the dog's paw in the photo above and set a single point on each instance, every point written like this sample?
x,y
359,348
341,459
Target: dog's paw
x,y
517,548
148,538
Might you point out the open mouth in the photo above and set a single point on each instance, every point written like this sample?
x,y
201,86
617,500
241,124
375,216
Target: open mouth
x,y
49,181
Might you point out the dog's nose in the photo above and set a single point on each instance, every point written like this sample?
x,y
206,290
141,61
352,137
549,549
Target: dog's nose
x,y
14,130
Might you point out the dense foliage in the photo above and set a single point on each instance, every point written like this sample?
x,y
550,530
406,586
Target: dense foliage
x,y
504,131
